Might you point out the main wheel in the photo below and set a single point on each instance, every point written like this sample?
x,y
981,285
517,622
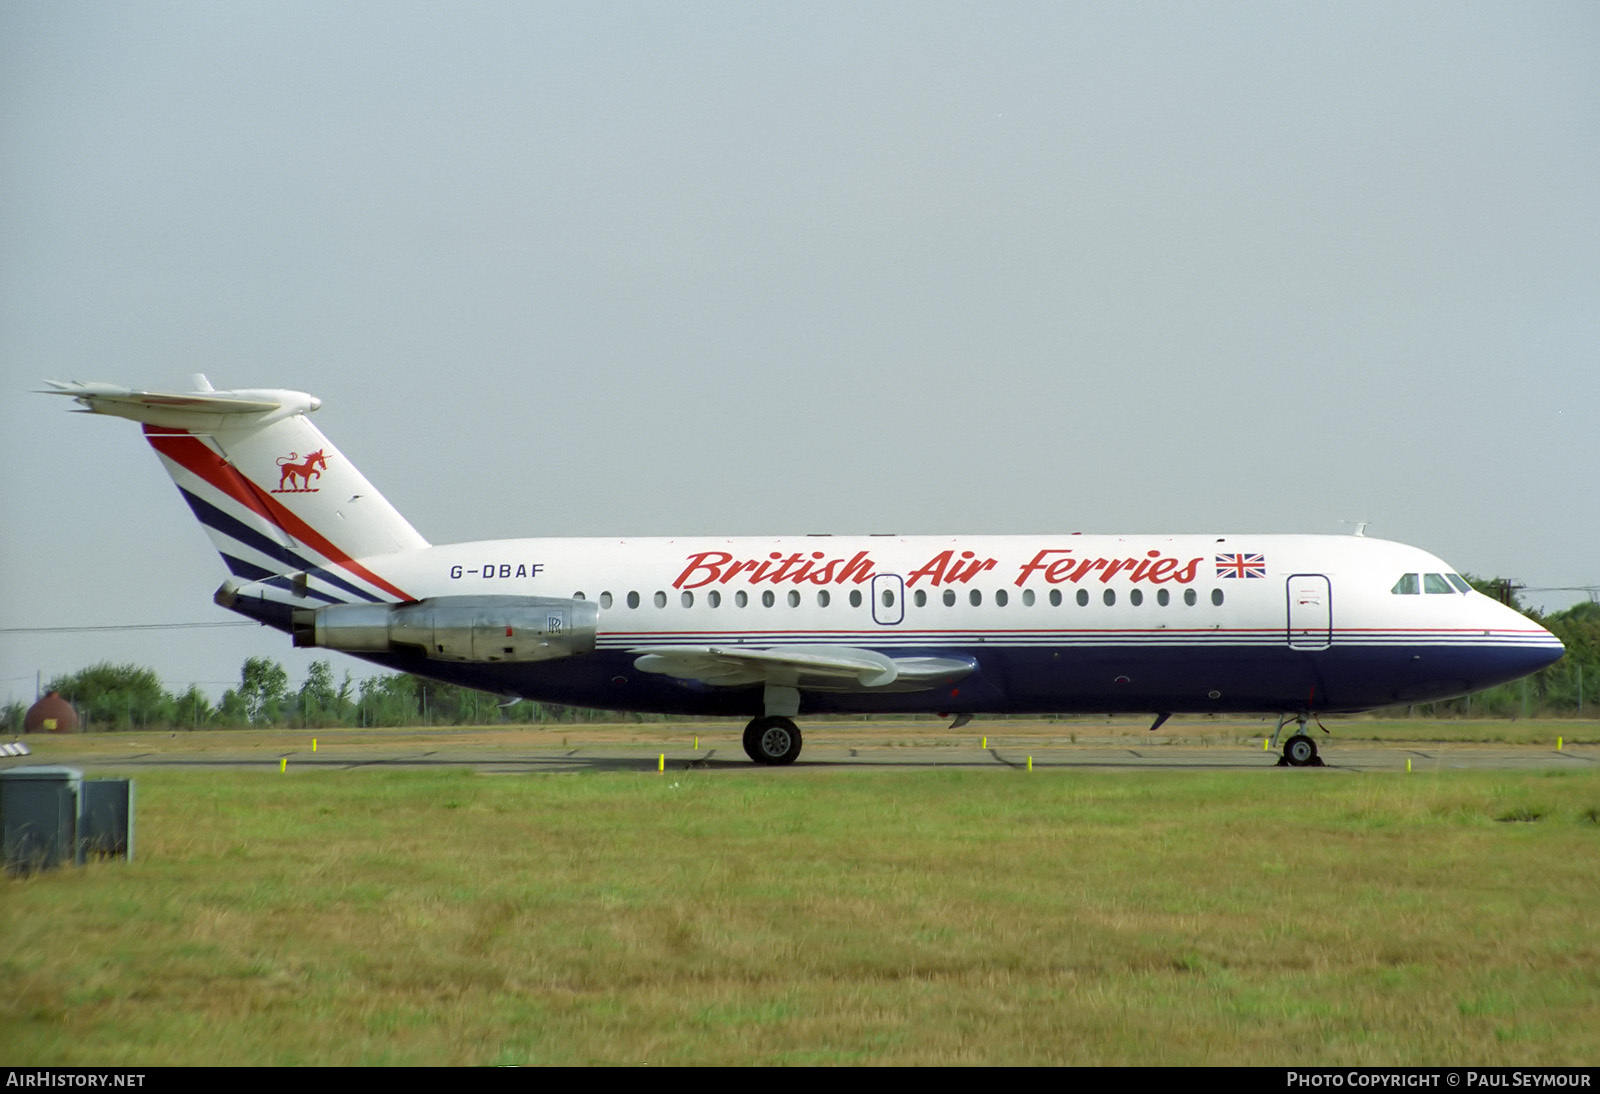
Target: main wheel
x,y
773,740
1300,751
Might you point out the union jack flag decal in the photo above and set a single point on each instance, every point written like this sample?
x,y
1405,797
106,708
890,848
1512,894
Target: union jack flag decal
x,y
1241,565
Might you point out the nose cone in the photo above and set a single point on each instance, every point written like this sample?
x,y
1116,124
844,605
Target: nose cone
x,y
1543,652
1553,647
1522,647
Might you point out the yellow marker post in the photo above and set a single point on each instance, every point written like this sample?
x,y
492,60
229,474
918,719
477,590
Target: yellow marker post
x,y
1408,765
313,744
1264,743
1558,744
697,744
283,764
986,742
661,762
1030,763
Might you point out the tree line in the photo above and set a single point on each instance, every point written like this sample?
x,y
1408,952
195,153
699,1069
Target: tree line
x,y
116,697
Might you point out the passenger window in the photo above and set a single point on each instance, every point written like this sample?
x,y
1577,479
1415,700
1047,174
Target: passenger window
x,y
855,598
823,598
975,597
1435,583
920,597
741,598
888,598
949,598
1136,598
794,598
1000,598
714,598
1407,585
1188,597
633,600
1110,597
1083,598
767,599
687,599
605,600
660,599
1216,597
1027,598
1055,598
1163,597
577,596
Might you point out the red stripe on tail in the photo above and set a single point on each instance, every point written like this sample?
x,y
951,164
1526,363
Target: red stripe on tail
x,y
190,453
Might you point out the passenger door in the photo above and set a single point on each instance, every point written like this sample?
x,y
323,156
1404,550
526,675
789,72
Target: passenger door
x,y
1310,612
888,599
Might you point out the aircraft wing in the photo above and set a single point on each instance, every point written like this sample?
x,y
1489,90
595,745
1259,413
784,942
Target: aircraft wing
x,y
814,668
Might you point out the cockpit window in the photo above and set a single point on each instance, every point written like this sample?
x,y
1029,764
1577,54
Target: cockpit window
x,y
1407,585
1435,583
1459,582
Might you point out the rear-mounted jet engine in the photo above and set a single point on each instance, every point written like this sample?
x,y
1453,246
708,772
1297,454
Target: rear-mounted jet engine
x,y
455,628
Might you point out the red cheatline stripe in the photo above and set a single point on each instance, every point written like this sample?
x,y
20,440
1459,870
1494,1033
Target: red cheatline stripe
x,y
1272,634
188,452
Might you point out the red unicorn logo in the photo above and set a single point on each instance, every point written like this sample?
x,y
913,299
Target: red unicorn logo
x,y
304,471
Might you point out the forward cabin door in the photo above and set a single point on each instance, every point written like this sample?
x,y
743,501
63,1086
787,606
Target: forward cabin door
x,y
1310,612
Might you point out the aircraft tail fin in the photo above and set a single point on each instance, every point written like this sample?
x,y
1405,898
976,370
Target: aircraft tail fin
x,y
278,500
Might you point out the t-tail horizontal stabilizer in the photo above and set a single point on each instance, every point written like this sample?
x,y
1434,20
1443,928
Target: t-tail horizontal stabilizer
x,y
274,494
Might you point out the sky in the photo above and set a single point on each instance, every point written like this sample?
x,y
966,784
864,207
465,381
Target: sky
x,y
736,268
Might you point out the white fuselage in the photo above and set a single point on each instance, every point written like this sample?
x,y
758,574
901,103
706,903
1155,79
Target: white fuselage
x,y
1144,622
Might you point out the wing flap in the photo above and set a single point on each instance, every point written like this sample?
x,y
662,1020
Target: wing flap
x,y
815,668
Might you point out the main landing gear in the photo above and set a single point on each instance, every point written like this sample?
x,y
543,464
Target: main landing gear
x,y
1299,750
772,740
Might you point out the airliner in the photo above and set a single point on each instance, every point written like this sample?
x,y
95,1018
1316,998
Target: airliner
x,y
770,628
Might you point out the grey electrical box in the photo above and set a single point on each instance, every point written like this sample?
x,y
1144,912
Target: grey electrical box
x,y
105,818
50,815
39,817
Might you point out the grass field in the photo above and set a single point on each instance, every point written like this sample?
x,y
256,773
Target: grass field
x,y
797,916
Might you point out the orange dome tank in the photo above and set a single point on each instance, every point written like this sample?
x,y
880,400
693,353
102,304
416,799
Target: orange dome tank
x,y
52,714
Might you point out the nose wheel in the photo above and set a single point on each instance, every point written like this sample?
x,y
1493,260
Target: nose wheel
x,y
1299,750
773,740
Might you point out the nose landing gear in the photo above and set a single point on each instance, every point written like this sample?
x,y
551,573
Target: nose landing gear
x,y
1299,750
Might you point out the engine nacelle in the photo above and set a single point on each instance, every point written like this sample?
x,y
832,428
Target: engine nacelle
x,y
455,628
